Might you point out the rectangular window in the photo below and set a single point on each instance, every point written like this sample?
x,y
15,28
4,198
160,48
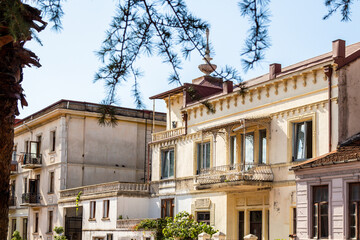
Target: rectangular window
x,y
167,207
294,221
25,185
241,225
320,217
13,225
203,156
302,140
354,212
36,223
26,146
106,207
13,157
256,223
203,217
92,209
13,188
38,139
52,141
248,149
233,151
262,146
167,163
25,226
50,221
51,182
109,236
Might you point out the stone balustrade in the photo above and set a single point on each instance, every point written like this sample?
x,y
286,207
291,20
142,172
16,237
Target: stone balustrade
x,y
106,187
168,134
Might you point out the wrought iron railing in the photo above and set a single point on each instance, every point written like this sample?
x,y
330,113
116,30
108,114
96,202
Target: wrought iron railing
x,y
12,201
30,198
235,172
168,134
31,159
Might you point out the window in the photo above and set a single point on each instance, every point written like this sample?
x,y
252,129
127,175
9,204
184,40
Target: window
x,y
320,217
233,150
25,185
248,148
109,236
50,221
25,226
52,141
26,146
13,225
38,139
294,222
51,182
92,209
354,211
262,146
13,157
302,140
167,207
36,222
256,223
203,156
167,163
203,217
106,207
241,225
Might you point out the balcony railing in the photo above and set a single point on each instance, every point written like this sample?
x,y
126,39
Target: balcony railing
x,y
168,134
13,167
127,224
237,172
107,187
31,160
12,201
30,198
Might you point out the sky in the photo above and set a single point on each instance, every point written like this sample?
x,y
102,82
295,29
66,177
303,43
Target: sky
x,y
69,62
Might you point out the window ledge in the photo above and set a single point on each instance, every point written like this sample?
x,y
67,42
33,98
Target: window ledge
x,y
52,152
35,233
50,193
105,219
49,233
92,219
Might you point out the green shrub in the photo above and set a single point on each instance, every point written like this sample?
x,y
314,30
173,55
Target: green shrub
x,y
59,231
16,235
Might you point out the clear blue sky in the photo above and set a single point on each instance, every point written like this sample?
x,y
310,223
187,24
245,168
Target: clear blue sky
x,y
68,61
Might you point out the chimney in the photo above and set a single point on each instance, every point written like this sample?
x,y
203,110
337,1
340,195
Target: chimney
x,y
274,69
227,87
338,49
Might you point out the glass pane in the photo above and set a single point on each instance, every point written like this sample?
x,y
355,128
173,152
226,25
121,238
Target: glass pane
x,y
165,165
207,155
233,154
309,139
324,231
352,232
355,192
33,148
315,220
324,209
300,141
262,146
198,157
249,148
171,172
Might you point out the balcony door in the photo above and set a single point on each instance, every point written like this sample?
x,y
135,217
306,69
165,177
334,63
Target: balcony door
x,y
256,223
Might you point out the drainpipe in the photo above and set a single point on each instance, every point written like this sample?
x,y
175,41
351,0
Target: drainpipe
x,y
328,73
31,132
145,147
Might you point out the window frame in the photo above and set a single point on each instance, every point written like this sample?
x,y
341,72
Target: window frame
x,y
106,209
207,222
317,234
295,140
199,156
261,146
36,222
164,203
92,212
290,134
357,212
52,141
50,221
167,152
51,182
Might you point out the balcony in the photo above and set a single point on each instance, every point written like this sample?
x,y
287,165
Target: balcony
x,y
31,160
248,175
13,167
12,201
30,199
164,135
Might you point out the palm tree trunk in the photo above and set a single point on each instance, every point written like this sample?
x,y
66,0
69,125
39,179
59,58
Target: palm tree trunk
x,y
9,94
6,146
